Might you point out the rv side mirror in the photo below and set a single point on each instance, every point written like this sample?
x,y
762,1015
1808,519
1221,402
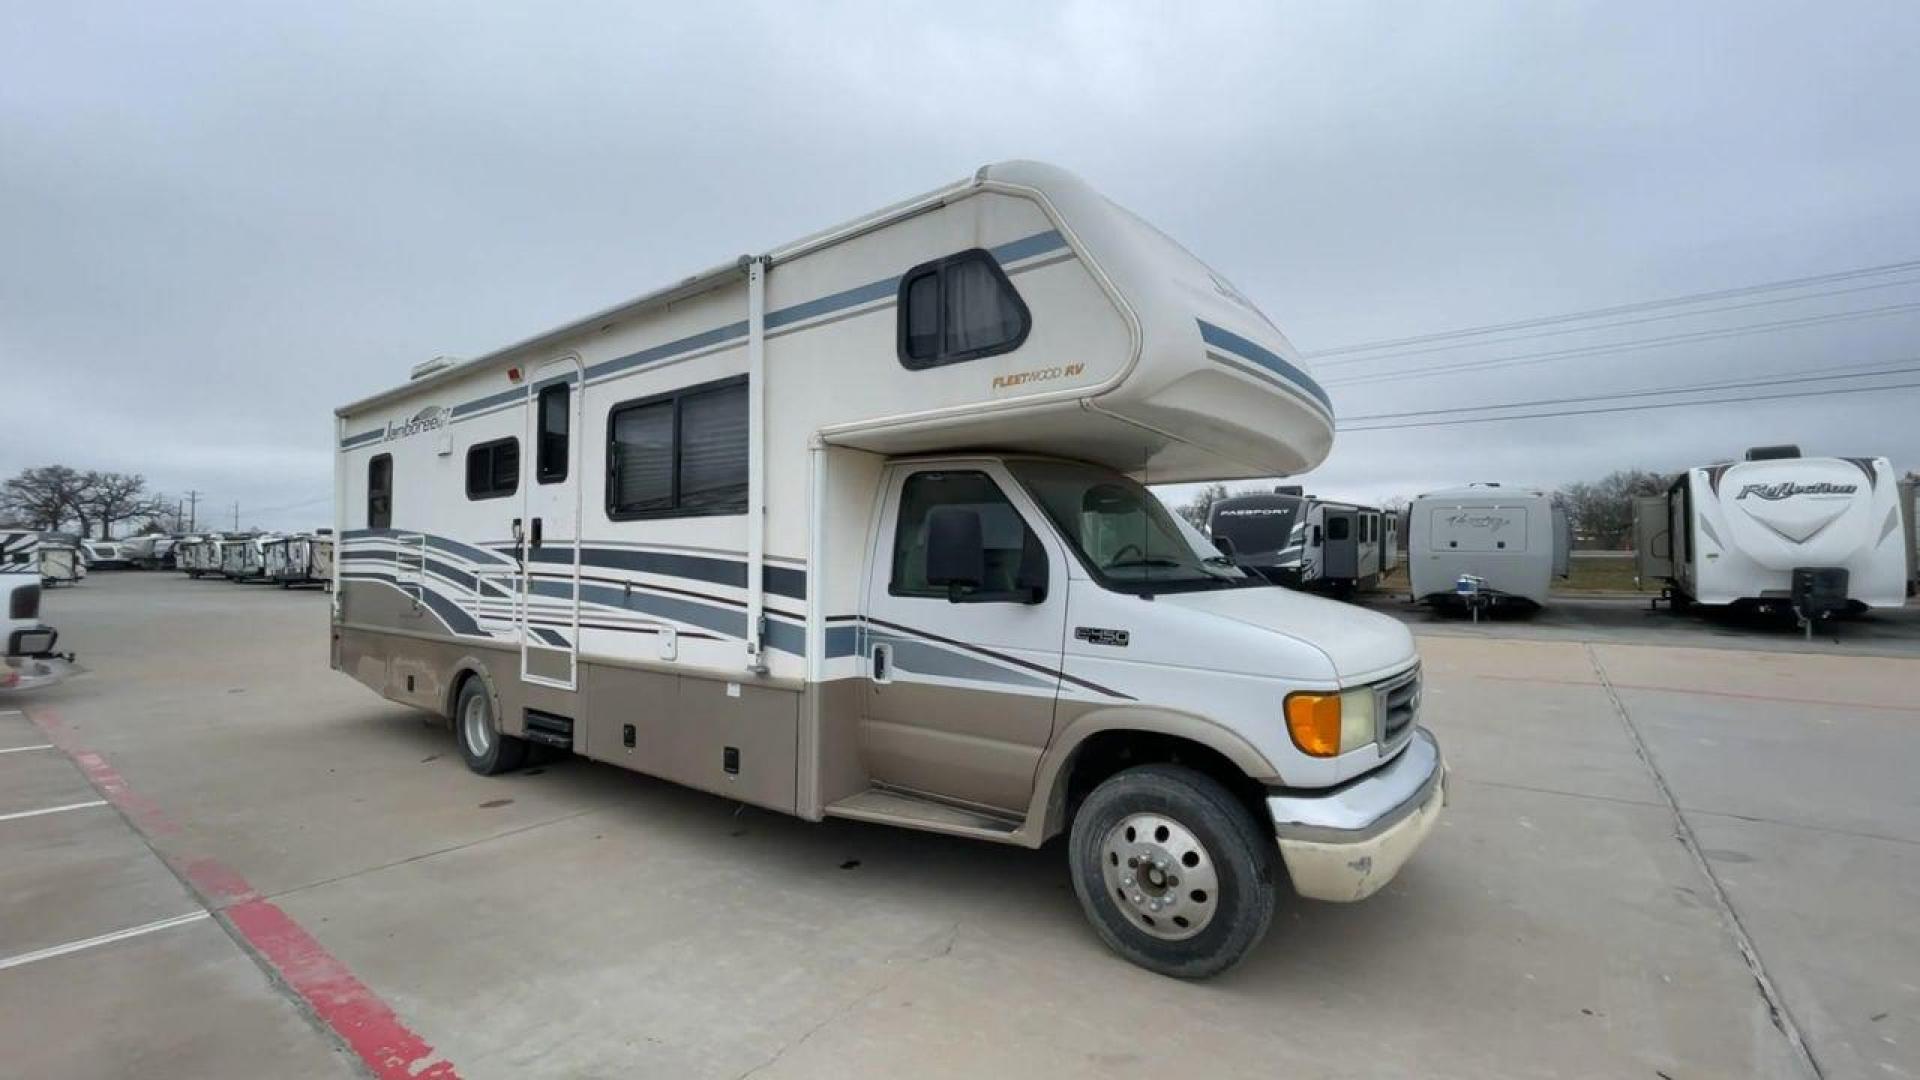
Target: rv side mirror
x,y
956,555
1224,545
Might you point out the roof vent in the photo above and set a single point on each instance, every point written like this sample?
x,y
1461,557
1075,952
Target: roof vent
x,y
1289,489
1773,453
438,363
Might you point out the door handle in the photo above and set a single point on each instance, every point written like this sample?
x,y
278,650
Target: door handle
x,y
883,663
536,533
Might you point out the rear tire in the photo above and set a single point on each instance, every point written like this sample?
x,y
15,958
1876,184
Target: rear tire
x,y
482,746
1173,871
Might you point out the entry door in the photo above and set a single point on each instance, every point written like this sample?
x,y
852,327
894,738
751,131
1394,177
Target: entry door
x,y
550,526
1341,556
960,695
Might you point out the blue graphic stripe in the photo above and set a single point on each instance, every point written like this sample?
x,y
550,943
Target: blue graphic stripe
x,y
1230,342
1012,251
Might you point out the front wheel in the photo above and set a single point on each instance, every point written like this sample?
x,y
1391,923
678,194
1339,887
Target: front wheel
x,y
1172,870
485,750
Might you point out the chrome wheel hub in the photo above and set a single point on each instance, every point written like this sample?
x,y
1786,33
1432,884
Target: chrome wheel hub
x,y
477,726
1160,874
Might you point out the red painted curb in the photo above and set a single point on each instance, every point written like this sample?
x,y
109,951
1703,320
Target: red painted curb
x,y
390,1049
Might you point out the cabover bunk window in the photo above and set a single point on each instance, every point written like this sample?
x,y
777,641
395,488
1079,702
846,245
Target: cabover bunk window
x,y
380,492
493,469
959,308
679,454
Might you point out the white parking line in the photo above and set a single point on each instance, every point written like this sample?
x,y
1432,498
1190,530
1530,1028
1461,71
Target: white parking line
x,y
24,749
103,939
52,810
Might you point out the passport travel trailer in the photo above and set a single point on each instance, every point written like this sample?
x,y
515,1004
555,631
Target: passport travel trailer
x,y
857,528
1818,535
1306,542
1513,540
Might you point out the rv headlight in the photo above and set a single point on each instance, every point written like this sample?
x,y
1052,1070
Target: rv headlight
x,y
1328,725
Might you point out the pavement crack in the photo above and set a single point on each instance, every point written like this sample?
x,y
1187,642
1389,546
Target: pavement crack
x,y
1777,1010
489,838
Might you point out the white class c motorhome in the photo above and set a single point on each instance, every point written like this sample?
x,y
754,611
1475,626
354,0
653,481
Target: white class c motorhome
x,y
1305,542
1817,534
1513,541
857,528
29,661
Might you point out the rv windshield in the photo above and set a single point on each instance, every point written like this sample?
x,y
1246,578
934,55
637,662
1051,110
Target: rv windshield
x,y
1123,534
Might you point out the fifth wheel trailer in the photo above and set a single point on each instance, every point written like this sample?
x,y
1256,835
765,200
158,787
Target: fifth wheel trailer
x,y
1306,542
1512,541
1778,530
855,528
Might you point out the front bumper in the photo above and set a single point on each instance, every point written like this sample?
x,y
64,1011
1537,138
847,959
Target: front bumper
x,y
1345,843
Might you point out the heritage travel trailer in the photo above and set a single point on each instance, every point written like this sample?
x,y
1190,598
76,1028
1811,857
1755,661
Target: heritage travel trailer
x,y
1510,542
1813,535
1306,542
302,559
856,529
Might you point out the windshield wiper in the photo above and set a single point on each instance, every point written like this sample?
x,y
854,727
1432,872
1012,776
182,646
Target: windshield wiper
x,y
1145,562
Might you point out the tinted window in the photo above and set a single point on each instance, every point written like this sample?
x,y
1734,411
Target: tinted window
x,y
1336,528
493,469
556,416
380,492
680,454
1015,560
959,308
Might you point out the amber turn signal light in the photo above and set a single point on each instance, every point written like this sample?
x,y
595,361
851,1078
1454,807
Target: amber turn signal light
x,y
1314,722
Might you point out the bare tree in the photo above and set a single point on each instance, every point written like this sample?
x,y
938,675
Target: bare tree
x,y
47,497
1603,510
1196,509
112,497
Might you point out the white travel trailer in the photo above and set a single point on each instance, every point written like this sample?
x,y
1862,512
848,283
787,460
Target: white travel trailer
x,y
856,528
57,556
1511,541
197,555
303,559
1815,535
105,554
1305,542
244,558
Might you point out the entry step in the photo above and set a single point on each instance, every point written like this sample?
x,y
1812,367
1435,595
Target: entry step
x,y
919,812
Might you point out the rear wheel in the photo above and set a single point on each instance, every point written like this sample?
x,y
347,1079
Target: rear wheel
x,y
485,750
1172,870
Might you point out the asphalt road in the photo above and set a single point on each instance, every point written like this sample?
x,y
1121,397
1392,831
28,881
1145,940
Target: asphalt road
x,y
1667,854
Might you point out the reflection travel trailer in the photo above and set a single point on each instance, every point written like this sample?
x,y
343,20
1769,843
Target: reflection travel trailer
x,y
1306,542
303,559
1815,535
1511,542
856,528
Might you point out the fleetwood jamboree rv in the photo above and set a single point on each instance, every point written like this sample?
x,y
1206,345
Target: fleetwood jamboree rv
x,y
1510,542
1814,535
857,528
29,662
1305,542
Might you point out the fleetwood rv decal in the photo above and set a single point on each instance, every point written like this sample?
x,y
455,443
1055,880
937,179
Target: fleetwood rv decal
x,y
431,418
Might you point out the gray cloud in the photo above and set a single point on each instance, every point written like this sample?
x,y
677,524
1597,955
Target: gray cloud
x,y
219,226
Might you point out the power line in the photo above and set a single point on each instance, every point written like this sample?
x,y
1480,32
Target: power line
x,y
1913,365
1638,408
1625,346
1620,309
1625,322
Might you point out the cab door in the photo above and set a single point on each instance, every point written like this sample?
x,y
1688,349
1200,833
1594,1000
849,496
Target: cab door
x,y
549,608
961,678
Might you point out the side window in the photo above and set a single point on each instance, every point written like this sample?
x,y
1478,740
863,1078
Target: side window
x,y
556,416
681,454
1016,562
959,308
380,492
493,469
1337,528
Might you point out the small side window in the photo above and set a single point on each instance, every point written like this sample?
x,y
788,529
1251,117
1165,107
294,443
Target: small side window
x,y
556,417
1337,528
959,308
493,469
380,492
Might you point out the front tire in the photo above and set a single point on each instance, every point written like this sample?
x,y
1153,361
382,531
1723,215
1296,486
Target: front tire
x,y
482,746
1173,871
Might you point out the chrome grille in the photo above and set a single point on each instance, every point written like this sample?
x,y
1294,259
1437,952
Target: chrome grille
x,y
1398,704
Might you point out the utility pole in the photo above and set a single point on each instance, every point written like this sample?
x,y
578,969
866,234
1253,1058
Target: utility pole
x,y
236,515
193,509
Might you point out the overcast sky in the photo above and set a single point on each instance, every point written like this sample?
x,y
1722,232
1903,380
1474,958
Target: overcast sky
x,y
218,223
